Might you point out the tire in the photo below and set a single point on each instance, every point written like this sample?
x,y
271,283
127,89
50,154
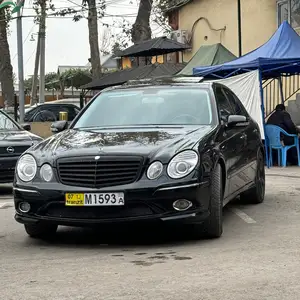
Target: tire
x,y
256,194
40,230
213,226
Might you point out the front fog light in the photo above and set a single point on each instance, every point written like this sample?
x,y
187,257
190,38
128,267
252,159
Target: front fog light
x,y
46,172
155,170
24,207
182,204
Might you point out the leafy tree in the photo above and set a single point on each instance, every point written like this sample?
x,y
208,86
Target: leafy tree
x,y
28,83
150,11
78,78
52,81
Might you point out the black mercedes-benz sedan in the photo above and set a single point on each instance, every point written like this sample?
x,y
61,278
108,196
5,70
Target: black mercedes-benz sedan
x,y
14,140
151,151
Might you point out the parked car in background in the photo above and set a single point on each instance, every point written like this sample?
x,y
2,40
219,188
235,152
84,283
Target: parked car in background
x,y
164,150
14,140
49,112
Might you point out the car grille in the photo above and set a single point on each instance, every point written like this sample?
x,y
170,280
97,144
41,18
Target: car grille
x,y
7,175
132,210
105,172
7,170
13,150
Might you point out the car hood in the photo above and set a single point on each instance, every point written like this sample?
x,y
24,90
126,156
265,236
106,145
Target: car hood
x,y
146,142
17,137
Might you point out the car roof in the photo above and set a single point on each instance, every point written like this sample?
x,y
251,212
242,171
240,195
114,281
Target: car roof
x,y
203,85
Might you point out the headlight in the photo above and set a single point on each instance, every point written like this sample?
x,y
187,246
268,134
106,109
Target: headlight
x,y
26,168
155,170
182,164
46,172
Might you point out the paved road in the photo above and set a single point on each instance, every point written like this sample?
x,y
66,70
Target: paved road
x,y
256,258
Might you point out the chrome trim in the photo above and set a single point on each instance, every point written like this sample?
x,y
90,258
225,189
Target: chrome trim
x,y
25,190
190,205
179,217
179,187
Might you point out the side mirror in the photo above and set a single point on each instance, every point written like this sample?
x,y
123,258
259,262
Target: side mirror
x,y
233,120
26,127
59,126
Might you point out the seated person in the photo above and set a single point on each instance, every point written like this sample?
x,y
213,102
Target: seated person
x,y
280,117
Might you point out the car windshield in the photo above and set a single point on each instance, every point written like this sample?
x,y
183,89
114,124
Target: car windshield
x,y
148,106
6,123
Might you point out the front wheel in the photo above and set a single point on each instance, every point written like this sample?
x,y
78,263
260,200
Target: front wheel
x,y
213,226
256,194
40,230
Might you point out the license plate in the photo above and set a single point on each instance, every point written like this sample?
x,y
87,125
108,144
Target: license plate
x,y
94,199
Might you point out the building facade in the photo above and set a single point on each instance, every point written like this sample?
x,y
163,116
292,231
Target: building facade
x,y
216,21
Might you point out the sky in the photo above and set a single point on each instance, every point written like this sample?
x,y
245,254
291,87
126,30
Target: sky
x,y
66,40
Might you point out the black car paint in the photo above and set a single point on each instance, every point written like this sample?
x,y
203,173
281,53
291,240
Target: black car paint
x,y
20,140
220,143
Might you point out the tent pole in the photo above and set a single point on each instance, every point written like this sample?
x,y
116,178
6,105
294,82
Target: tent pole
x,y
263,114
239,12
281,89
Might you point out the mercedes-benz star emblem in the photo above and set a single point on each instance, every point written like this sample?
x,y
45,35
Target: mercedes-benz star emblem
x,y
10,149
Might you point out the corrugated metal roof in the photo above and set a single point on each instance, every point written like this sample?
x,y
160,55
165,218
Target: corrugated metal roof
x,y
142,72
158,46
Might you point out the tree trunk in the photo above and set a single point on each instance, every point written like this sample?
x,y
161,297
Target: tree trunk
x,y
93,39
141,30
6,70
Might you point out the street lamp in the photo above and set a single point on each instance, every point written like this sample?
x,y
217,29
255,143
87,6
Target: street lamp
x,y
33,98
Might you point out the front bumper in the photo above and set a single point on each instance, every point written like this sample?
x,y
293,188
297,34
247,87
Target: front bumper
x,y
7,168
141,204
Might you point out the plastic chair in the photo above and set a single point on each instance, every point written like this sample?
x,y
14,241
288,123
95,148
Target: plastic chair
x,y
274,142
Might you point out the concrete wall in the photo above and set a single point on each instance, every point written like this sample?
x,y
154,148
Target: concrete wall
x,y
259,22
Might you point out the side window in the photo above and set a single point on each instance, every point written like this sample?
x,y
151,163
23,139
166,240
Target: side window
x,y
224,106
235,103
6,123
28,116
45,113
70,110
54,109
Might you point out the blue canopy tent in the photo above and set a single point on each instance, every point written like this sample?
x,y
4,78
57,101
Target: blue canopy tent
x,y
279,56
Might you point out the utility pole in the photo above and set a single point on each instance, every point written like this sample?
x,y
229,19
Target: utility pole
x,y
33,98
42,38
239,12
20,67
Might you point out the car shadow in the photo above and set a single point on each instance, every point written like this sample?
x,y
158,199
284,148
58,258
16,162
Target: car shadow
x,y
129,236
